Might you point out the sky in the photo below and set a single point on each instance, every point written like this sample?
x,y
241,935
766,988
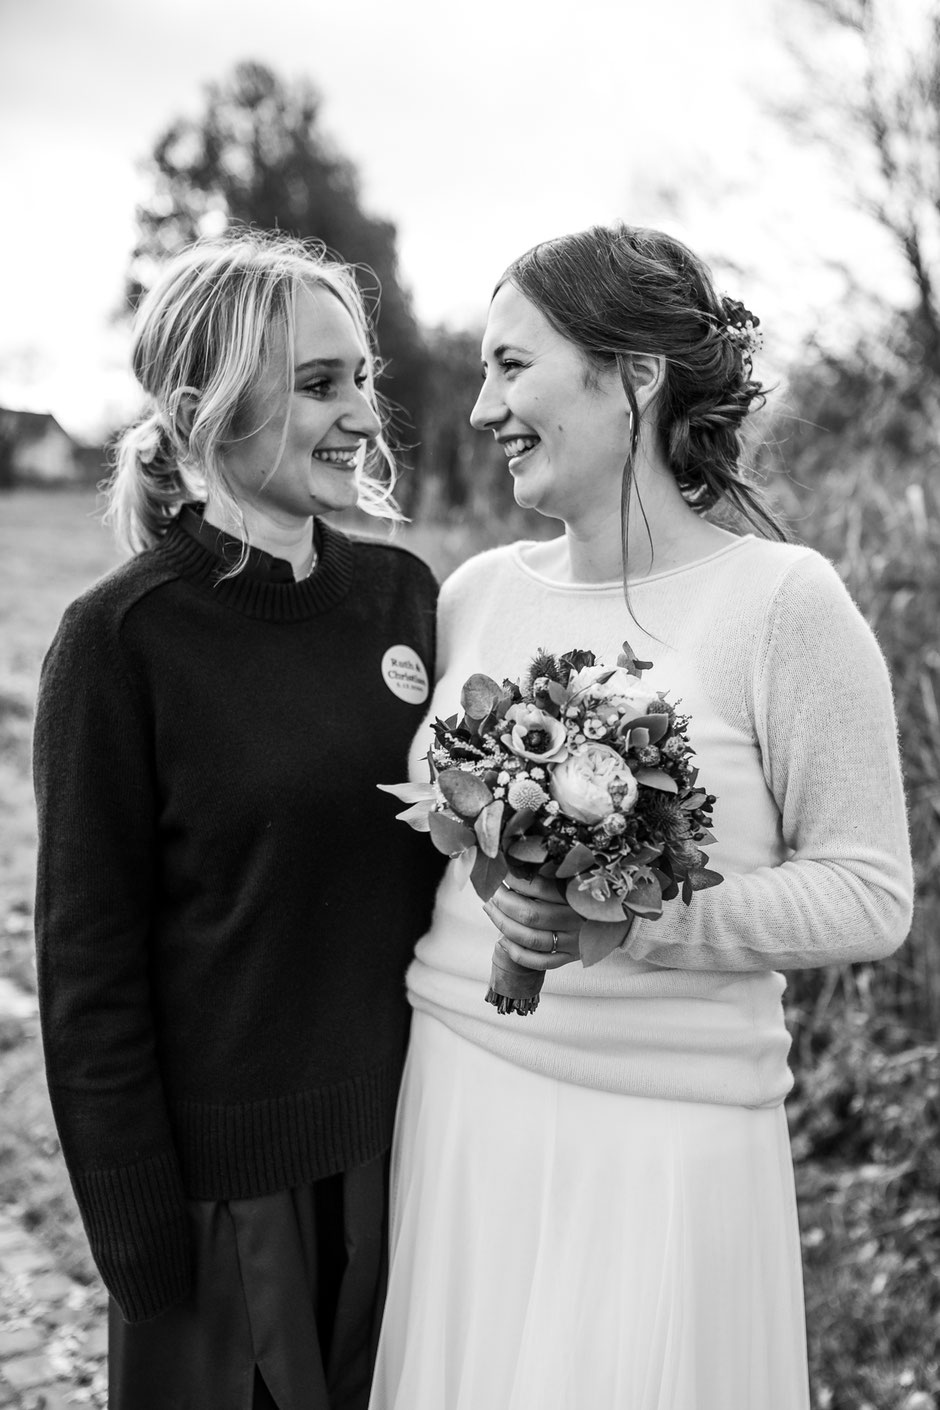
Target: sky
x,y
478,129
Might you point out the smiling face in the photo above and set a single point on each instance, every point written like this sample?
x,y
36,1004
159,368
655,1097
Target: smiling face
x,y
564,426
303,458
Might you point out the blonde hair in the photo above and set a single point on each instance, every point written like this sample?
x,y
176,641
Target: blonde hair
x,y
204,337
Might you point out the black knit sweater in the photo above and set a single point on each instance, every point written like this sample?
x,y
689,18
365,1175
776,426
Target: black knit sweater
x,y
225,902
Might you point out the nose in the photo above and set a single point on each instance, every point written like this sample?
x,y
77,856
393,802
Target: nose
x,y
489,409
360,418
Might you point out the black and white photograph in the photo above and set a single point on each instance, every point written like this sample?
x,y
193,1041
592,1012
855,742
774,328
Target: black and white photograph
x,y
470,705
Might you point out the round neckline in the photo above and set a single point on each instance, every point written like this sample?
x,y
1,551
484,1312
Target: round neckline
x,y
253,591
616,584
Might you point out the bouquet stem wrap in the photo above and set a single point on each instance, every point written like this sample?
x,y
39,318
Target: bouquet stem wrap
x,y
513,987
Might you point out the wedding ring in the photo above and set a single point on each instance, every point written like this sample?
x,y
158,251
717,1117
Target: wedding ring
x,y
554,943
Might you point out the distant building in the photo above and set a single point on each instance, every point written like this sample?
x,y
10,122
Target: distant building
x,y
34,449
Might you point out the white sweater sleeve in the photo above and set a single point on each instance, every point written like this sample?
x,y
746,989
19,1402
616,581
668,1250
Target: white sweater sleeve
x,y
824,720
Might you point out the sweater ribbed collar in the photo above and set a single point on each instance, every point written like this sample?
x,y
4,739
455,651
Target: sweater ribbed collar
x,y
256,591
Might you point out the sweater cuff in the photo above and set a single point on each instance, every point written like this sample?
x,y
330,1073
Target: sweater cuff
x,y
135,1219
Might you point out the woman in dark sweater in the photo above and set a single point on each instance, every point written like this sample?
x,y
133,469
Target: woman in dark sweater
x,y
220,963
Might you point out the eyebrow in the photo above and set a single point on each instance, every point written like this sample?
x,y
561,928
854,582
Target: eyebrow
x,y
324,362
505,348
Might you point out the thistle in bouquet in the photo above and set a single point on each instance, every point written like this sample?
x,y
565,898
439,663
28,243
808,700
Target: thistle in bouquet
x,y
581,773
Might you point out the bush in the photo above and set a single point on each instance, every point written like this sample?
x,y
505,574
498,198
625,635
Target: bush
x,y
865,1127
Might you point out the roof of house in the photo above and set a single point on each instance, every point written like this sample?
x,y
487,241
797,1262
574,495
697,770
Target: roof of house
x,y
31,425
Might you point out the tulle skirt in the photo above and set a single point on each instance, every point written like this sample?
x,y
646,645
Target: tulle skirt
x,y
559,1248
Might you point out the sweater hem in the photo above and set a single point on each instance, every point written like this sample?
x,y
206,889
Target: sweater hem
x,y
248,1149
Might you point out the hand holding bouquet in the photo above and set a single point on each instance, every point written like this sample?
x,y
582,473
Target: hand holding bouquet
x,y
580,772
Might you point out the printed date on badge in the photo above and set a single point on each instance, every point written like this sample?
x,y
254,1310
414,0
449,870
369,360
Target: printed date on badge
x,y
404,674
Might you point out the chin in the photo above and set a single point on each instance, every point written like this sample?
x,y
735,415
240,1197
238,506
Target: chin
x,y
336,500
529,498
525,495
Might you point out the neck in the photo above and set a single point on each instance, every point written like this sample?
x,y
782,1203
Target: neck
x,y
291,541
664,532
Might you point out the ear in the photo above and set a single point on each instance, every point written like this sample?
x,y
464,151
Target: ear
x,y
647,374
186,412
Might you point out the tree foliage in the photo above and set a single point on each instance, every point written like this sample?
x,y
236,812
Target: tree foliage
x,y
880,119
465,472
256,156
860,435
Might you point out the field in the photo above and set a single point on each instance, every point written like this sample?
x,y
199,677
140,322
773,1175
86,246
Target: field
x,y
865,1115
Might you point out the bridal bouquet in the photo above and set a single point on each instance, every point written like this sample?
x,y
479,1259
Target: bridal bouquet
x,y
579,772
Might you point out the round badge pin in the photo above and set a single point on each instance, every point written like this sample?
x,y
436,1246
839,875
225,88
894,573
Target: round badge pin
x,y
404,674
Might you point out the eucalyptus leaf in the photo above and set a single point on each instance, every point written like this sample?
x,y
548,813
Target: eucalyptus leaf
x,y
704,879
694,800
517,824
528,849
465,793
487,826
646,899
409,792
503,704
585,904
416,816
599,938
655,726
463,865
577,860
654,778
486,726
478,697
450,835
487,874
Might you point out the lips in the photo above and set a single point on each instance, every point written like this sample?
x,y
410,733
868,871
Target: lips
x,y
519,445
345,457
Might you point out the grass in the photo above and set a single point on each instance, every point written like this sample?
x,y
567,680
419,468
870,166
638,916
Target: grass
x,y
865,1114
50,550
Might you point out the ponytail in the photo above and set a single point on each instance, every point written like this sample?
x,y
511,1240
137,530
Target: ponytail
x,y
147,488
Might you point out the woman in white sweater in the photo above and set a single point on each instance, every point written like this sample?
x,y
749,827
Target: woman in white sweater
x,y
593,1207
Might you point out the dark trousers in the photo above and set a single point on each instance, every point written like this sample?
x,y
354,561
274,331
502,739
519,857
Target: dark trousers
x,y
284,1311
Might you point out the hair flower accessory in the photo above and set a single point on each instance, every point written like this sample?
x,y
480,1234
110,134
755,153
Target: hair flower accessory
x,y
742,327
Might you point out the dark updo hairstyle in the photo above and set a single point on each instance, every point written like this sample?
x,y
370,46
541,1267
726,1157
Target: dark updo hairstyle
x,y
624,291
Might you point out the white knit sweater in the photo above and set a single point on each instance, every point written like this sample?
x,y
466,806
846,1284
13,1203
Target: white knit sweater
x,y
793,726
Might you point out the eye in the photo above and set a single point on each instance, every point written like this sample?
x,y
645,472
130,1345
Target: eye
x,y
362,380
509,365
319,387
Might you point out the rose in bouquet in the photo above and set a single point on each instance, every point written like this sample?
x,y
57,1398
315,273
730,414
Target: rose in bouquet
x,y
580,772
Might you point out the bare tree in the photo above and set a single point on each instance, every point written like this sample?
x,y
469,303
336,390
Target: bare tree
x,y
867,390
879,116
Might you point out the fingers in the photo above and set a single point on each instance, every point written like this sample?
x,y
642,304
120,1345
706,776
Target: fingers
x,y
538,959
536,947
533,911
541,887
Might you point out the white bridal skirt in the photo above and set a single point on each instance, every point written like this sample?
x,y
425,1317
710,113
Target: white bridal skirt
x,y
559,1248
